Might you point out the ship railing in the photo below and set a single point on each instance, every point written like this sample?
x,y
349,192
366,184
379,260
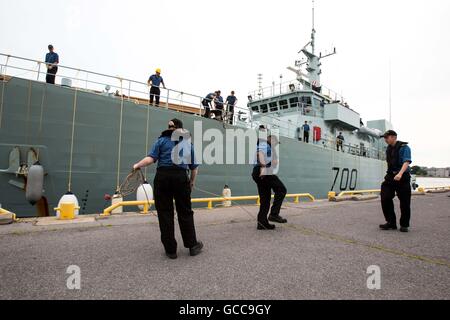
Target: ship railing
x,y
291,130
292,86
114,86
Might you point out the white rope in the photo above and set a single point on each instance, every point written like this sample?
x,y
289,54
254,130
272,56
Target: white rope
x,y
28,111
44,90
72,142
1,102
146,140
120,136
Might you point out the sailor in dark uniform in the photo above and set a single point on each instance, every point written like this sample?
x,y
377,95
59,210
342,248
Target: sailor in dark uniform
x,y
397,181
266,181
172,182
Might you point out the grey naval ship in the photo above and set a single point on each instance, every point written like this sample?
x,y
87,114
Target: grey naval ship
x,y
88,130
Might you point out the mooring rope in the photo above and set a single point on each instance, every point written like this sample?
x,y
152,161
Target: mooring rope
x,y
120,136
69,187
2,99
28,112
44,91
146,139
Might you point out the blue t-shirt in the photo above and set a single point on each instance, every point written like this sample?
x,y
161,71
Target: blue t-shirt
x,y
208,100
266,150
306,128
52,57
162,153
231,100
219,102
156,80
405,156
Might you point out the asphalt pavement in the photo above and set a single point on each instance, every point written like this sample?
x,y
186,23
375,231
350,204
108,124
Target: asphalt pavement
x,y
324,252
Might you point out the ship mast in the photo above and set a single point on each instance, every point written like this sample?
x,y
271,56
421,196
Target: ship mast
x,y
313,33
311,80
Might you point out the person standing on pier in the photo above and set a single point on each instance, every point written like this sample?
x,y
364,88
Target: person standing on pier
x,y
155,82
397,181
51,61
175,157
266,181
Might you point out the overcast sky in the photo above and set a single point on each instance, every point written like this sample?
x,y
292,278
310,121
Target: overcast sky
x,y
205,45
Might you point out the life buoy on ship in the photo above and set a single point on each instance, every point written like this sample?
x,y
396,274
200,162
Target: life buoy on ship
x,y
144,193
35,183
69,197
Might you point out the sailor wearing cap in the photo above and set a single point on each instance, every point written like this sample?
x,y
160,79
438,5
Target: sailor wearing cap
x,y
266,181
52,61
397,181
155,82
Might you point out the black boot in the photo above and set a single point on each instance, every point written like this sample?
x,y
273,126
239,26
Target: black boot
x,y
265,226
172,256
196,250
277,219
388,226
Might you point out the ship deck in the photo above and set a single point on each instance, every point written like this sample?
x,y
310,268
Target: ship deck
x,y
323,253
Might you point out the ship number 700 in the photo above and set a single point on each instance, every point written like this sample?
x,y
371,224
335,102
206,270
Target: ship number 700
x,y
347,179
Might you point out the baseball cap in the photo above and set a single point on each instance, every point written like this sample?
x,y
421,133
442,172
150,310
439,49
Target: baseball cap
x,y
389,133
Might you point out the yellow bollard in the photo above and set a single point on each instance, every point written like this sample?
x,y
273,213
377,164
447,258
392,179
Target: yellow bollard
x,y
210,205
258,201
145,211
67,211
331,195
297,200
421,190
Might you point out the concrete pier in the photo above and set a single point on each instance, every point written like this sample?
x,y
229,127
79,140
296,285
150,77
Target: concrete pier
x,y
323,253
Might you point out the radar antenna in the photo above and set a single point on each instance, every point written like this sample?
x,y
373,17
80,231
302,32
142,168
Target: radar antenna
x,y
312,60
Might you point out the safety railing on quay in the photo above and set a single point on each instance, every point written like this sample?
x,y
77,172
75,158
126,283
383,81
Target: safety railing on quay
x,y
209,201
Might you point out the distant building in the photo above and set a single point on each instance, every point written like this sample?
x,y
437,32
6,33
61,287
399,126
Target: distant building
x,y
438,172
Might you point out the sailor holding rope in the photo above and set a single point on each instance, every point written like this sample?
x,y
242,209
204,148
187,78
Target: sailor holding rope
x,y
174,154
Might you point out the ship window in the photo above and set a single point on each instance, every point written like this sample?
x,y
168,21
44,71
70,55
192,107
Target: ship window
x,y
264,108
284,104
293,102
306,100
273,106
255,108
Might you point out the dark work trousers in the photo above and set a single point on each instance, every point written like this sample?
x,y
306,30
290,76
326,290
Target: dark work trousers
x,y
265,186
403,190
231,115
207,112
51,75
218,113
173,184
306,136
155,94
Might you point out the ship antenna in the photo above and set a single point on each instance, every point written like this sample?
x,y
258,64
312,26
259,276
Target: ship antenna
x,y
390,91
313,34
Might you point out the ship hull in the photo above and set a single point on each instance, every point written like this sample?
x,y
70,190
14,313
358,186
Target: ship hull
x,y
40,116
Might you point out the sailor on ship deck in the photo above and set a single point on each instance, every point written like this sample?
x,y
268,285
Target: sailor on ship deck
x,y
52,61
155,82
